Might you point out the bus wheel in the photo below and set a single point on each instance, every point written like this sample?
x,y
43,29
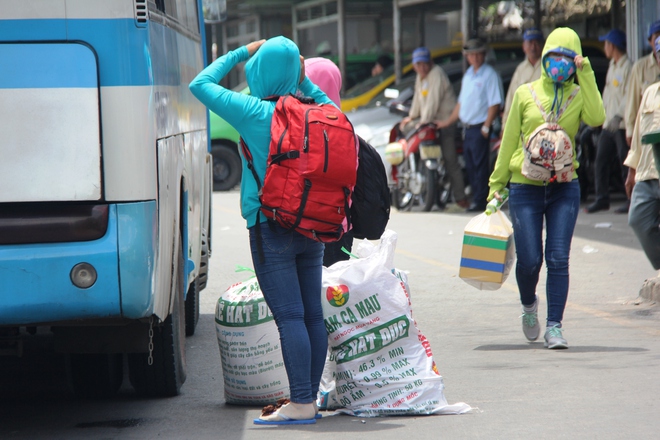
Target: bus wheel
x,y
192,307
167,372
226,167
95,375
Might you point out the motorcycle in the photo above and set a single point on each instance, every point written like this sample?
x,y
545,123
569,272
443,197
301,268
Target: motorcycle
x,y
419,176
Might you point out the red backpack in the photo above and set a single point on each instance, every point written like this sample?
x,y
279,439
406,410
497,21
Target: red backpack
x,y
311,169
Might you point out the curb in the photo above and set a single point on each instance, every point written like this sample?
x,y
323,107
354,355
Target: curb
x,y
650,290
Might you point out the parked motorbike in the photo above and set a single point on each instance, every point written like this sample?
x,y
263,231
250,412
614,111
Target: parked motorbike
x,y
419,176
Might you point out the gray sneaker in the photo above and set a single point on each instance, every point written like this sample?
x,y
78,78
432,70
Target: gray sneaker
x,y
530,323
554,338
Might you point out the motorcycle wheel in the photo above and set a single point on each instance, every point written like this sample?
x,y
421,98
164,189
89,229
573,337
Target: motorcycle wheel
x,y
402,199
444,188
429,189
402,196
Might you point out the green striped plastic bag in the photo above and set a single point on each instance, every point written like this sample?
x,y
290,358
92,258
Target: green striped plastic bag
x,y
488,251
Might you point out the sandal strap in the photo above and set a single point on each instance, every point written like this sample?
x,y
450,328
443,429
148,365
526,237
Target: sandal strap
x,y
269,409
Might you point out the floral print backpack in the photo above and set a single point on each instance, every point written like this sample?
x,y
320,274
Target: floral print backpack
x,y
549,149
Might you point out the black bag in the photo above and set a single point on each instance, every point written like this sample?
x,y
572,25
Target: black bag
x,y
370,210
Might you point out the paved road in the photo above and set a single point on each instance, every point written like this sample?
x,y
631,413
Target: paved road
x,y
604,387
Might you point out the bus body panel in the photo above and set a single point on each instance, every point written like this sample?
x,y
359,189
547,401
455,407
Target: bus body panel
x,y
131,81
35,284
128,248
170,168
56,86
40,9
129,169
152,150
197,189
137,226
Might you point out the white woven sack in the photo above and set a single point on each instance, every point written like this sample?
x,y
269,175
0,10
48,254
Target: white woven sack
x,y
379,361
249,342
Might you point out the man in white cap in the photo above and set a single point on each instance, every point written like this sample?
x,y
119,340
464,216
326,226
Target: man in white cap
x,y
434,98
478,105
527,71
612,143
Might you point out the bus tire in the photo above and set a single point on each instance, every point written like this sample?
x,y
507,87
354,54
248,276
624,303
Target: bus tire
x,y
167,373
95,375
226,167
192,307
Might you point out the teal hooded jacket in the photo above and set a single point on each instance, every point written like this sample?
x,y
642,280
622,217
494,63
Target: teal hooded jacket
x,y
525,117
273,70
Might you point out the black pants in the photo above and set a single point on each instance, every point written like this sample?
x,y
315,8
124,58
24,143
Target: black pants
x,y
611,147
476,152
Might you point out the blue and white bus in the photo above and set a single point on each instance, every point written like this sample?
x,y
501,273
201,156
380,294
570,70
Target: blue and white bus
x,y
105,186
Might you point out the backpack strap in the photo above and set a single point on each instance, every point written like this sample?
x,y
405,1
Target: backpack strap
x,y
303,203
546,116
568,101
276,158
347,209
250,164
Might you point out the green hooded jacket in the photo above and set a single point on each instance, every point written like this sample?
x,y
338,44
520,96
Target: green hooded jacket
x,y
525,117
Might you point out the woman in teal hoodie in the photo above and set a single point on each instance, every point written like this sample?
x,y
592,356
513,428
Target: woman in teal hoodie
x,y
290,273
532,201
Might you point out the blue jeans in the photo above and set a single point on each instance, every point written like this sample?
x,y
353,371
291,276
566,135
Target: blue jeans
x,y
559,204
476,152
644,217
290,279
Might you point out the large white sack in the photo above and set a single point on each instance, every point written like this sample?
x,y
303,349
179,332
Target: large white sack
x,y
379,362
249,344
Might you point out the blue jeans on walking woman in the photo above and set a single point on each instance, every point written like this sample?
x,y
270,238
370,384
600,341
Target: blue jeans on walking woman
x,y
290,279
559,204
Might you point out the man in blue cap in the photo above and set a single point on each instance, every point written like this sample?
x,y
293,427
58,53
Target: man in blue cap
x,y
434,98
612,143
527,71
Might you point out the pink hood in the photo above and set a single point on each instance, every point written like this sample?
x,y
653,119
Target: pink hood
x,y
325,74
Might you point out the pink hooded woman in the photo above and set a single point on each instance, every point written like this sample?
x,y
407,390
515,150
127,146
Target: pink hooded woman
x,y
326,75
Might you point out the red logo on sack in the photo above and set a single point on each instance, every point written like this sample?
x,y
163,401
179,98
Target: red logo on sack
x,y
337,296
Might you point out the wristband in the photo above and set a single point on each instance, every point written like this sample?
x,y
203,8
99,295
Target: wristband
x,y
485,129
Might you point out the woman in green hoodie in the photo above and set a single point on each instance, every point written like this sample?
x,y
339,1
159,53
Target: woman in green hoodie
x,y
290,273
532,201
